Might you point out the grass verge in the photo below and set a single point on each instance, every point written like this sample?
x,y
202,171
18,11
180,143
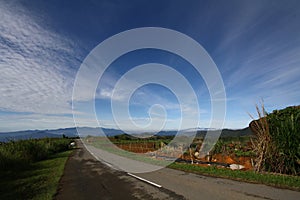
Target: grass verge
x,y
276,180
38,181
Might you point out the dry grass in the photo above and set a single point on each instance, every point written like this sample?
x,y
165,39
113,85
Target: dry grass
x,y
262,143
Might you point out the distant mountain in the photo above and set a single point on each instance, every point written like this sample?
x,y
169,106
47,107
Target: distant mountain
x,y
201,132
85,131
57,133
24,135
166,133
198,129
236,132
228,132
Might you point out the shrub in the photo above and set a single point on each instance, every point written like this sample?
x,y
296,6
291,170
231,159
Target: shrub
x,y
277,143
262,143
284,128
15,154
59,145
219,146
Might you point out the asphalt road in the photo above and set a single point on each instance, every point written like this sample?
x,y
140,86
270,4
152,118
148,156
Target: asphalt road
x,y
87,178
193,186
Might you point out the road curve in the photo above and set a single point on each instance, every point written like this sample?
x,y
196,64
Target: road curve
x,y
87,178
193,186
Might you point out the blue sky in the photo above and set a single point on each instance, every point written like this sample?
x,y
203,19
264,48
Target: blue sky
x,y
254,44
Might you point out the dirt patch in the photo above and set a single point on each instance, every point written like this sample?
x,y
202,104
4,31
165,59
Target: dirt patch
x,y
144,147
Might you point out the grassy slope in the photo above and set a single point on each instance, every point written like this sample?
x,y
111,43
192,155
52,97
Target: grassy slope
x,y
39,181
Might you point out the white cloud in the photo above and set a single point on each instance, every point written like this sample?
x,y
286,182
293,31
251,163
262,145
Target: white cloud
x,y
34,75
260,58
21,121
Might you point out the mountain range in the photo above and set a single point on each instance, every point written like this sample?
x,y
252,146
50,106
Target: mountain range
x,y
85,131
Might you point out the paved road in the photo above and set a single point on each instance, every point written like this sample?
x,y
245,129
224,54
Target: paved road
x,y
194,186
87,178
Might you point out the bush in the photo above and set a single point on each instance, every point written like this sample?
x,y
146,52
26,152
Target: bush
x,y
277,144
15,154
10,159
284,128
219,146
60,145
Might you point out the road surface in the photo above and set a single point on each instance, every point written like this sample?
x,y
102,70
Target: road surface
x,y
87,178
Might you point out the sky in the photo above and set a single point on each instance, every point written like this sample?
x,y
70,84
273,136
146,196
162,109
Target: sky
x,y
254,44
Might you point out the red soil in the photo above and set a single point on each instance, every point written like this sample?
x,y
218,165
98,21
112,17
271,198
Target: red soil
x,y
150,147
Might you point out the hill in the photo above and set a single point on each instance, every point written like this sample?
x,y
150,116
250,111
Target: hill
x,y
85,131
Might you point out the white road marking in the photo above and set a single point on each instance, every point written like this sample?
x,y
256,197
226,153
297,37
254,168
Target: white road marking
x,y
142,179
109,165
113,167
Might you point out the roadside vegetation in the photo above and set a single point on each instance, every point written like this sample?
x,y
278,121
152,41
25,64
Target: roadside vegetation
x,y
274,151
31,169
267,152
277,141
276,180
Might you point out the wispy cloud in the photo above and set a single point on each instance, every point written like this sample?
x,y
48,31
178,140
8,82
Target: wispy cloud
x,y
25,121
260,55
255,46
35,64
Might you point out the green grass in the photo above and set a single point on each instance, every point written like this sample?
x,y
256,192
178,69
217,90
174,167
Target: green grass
x,y
277,180
37,181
